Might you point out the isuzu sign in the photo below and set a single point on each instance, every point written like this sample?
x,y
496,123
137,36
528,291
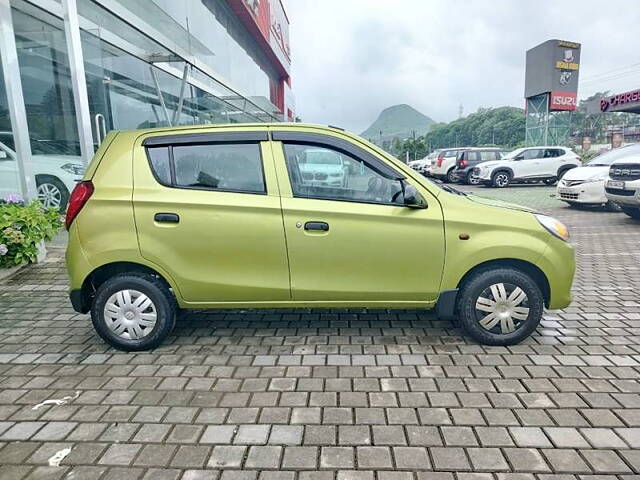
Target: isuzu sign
x,y
563,101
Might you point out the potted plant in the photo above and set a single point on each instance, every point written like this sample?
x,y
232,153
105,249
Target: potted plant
x,y
24,227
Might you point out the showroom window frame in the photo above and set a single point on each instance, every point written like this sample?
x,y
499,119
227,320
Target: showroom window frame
x,y
15,100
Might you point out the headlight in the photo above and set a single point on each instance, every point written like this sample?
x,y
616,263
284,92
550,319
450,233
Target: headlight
x,y
73,168
554,227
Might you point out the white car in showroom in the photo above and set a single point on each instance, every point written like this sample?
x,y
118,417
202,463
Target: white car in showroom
x,y
623,185
585,185
56,175
528,165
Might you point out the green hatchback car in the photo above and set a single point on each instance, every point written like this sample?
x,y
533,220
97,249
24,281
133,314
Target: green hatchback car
x,y
249,216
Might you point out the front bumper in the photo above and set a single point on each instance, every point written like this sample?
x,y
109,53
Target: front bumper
x,y
558,263
630,195
591,193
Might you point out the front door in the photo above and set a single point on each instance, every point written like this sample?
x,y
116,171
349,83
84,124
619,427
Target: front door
x,y
527,164
349,236
208,212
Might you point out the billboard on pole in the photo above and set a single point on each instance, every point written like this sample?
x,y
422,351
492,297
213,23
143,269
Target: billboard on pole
x,y
553,68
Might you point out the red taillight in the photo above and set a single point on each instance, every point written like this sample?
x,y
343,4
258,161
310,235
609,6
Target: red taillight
x,y
440,160
81,193
463,163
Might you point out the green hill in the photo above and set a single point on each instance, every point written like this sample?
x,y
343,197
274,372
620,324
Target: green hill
x,y
398,121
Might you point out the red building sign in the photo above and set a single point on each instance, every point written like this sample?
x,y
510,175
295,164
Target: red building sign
x,y
563,101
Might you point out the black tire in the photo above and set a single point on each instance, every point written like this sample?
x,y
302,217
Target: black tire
x,y
156,290
450,176
550,181
632,212
501,179
50,182
471,180
478,284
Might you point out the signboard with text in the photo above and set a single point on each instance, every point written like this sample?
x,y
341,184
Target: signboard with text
x,y
553,68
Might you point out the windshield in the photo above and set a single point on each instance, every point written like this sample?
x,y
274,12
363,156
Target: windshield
x,y
611,156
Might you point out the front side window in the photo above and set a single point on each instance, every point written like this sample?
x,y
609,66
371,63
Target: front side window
x,y
325,173
229,167
531,154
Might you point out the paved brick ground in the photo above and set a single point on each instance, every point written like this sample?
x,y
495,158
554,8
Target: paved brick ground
x,y
333,395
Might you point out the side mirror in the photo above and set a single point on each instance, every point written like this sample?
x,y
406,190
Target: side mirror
x,y
413,198
3,155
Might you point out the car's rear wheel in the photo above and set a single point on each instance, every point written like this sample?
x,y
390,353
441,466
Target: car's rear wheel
x,y
133,311
52,193
502,306
632,212
501,179
450,177
471,179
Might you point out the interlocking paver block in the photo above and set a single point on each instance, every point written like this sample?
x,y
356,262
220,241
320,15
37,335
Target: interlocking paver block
x,y
300,458
263,457
374,457
337,457
411,458
226,456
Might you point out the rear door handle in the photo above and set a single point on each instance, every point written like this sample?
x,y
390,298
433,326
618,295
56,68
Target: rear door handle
x,y
167,217
321,226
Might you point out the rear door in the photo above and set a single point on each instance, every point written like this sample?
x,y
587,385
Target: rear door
x,y
355,242
551,161
207,210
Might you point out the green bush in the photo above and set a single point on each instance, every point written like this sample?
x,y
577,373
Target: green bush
x,y
22,227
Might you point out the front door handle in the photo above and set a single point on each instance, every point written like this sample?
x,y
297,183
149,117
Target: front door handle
x,y
321,226
167,217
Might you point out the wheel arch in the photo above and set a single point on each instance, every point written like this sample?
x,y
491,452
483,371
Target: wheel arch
x,y
524,266
102,273
502,169
564,169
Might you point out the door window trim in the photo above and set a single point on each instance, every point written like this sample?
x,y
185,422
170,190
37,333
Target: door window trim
x,y
344,146
202,140
341,150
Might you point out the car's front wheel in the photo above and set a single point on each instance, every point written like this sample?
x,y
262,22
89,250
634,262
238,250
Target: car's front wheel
x,y
52,193
502,306
133,311
501,179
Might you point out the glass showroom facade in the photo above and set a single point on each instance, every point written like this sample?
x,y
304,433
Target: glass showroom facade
x,y
72,70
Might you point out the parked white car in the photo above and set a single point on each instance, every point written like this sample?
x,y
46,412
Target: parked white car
x,y
56,175
526,165
443,166
323,167
424,164
585,185
623,184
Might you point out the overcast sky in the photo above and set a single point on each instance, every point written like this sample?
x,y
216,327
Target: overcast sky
x,y
353,58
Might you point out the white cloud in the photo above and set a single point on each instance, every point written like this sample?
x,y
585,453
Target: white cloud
x,y
352,58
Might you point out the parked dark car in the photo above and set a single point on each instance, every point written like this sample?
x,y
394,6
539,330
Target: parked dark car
x,y
468,159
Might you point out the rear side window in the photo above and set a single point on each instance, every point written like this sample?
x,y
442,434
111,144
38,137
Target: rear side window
x,y
227,167
488,155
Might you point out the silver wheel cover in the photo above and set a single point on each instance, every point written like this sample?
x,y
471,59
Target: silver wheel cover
x,y
502,308
130,314
49,195
502,179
